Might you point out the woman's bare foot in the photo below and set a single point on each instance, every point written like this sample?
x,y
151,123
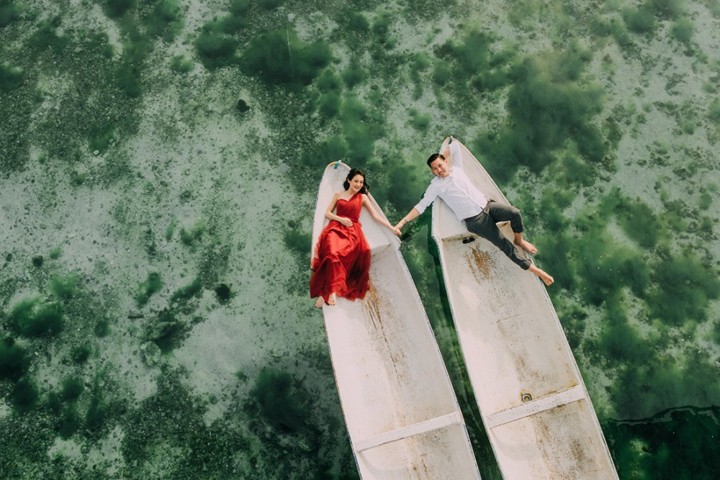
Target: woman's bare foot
x,y
544,276
331,299
319,302
527,246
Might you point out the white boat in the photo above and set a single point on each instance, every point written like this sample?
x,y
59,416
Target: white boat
x,y
536,410
401,412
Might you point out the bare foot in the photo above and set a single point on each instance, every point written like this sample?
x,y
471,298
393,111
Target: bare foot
x,y
319,302
527,246
544,276
331,299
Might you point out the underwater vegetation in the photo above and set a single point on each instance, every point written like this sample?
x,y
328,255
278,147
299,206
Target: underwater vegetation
x,y
159,159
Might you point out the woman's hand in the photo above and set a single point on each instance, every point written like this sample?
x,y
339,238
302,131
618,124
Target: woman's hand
x,y
346,221
396,231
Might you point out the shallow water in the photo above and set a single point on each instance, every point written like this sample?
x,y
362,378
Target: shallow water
x,y
159,163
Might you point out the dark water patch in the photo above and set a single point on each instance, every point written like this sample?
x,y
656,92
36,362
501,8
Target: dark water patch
x,y
223,292
298,240
684,287
80,354
325,151
167,330
713,113
101,136
152,284
328,105
281,58
636,219
419,73
24,395
102,328
64,287
270,4
619,342
418,120
549,104
640,20
329,81
181,64
9,12
354,74
68,422
606,268
282,414
46,36
679,373
362,125
117,8
170,421
34,317
557,248
192,235
10,77
104,409
71,388
215,46
187,292
14,360
648,445
280,401
162,18
38,261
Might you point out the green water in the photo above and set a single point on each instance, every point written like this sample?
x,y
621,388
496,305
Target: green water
x,y
159,162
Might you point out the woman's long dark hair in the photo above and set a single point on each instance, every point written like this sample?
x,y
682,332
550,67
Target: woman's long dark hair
x,y
353,172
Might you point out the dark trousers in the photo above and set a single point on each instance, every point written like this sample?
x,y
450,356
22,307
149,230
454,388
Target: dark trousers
x,y
484,225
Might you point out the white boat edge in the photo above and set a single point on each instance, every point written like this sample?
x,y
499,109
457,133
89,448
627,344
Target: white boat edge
x,y
401,412
532,399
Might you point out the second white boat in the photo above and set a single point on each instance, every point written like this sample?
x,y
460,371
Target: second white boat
x,y
532,399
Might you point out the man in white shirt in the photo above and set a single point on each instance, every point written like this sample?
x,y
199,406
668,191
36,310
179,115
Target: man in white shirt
x,y
470,205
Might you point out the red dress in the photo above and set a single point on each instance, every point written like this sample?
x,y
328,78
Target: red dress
x,y
342,261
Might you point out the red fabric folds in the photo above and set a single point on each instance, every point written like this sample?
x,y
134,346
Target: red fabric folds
x,y
342,261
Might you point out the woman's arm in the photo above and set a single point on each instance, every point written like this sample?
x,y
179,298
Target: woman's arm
x,y
331,216
378,218
412,215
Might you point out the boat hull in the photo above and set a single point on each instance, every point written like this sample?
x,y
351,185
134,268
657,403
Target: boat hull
x,y
401,413
532,399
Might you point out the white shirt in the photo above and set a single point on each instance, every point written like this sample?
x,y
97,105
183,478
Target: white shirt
x,y
456,190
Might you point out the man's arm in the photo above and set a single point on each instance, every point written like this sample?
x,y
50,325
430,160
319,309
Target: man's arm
x,y
452,153
412,215
446,152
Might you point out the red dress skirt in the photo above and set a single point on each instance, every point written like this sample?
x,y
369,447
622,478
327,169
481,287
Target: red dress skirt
x,y
342,261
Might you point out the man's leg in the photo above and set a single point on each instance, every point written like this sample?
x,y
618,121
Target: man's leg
x,y
484,225
501,212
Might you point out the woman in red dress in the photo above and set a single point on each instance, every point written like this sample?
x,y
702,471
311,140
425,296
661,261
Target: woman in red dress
x,y
341,266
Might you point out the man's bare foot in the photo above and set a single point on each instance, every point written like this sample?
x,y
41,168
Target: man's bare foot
x,y
331,299
544,276
527,246
319,302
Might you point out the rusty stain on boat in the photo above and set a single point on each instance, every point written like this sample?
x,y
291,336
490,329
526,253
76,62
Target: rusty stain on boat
x,y
481,263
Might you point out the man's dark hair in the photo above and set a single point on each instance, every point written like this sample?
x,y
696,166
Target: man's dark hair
x,y
433,157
